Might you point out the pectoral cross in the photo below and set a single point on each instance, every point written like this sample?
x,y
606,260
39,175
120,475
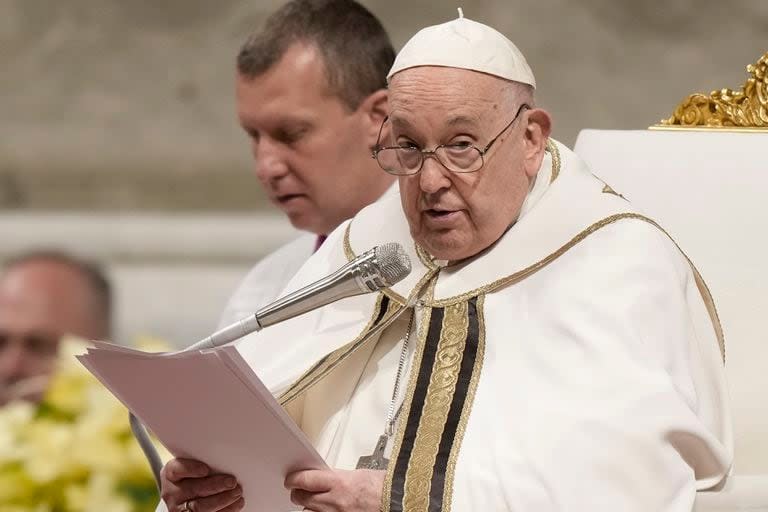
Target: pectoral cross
x,y
375,460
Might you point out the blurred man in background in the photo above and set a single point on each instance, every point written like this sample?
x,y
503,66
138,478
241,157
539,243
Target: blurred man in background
x,y
311,95
43,296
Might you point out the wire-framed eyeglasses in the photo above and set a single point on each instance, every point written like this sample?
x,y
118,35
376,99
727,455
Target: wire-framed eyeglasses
x,y
405,160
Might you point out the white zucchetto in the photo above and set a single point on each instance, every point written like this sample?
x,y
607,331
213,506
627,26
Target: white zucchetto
x,y
465,44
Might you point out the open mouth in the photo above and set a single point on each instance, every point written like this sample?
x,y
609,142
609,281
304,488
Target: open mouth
x,y
441,218
439,214
288,198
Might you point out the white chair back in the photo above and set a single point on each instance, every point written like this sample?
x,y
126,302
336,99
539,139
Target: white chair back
x,y
709,189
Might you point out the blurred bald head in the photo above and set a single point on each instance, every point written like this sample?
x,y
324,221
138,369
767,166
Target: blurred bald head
x,y
44,296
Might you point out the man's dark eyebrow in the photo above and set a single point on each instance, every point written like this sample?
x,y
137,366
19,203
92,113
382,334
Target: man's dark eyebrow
x,y
398,121
295,124
291,123
250,130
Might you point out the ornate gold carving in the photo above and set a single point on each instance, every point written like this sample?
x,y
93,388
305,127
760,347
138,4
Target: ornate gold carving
x,y
744,109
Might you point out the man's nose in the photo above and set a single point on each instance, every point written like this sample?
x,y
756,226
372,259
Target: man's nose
x,y
270,164
433,176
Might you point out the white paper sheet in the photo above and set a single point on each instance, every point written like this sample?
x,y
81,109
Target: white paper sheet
x,y
210,406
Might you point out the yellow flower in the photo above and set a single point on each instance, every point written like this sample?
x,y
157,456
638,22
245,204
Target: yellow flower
x,y
102,495
15,485
67,391
49,451
73,452
20,508
14,417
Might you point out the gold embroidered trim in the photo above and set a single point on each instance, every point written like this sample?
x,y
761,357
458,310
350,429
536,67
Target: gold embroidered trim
x,y
348,252
332,360
386,495
426,259
556,160
522,274
437,404
317,372
467,409
709,302
607,189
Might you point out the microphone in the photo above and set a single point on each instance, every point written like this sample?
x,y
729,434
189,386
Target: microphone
x,y
378,268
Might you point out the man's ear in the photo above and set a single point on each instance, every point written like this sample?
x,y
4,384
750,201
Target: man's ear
x,y
536,135
374,110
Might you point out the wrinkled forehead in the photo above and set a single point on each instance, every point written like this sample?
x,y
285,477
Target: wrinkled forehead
x,y
459,96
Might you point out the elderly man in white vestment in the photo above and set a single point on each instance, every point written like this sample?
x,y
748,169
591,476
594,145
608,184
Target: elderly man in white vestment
x,y
552,349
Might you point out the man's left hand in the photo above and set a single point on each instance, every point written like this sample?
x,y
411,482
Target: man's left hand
x,y
335,490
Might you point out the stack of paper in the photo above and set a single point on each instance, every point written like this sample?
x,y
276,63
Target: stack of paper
x,y
210,406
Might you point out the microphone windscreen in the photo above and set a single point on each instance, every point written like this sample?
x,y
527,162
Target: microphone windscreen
x,y
394,264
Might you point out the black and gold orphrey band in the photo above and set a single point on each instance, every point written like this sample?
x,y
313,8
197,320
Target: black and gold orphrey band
x,y
420,477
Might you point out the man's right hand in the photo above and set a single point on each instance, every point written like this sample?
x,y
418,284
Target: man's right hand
x,y
190,486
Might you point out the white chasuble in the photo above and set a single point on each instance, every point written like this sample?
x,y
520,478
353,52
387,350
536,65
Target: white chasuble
x,y
574,365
